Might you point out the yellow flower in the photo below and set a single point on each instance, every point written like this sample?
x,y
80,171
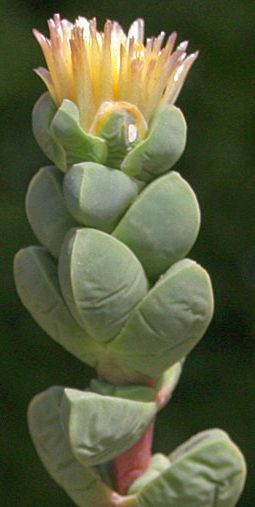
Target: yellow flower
x,y
91,67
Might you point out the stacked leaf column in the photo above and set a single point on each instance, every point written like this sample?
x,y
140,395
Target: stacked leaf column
x,y
111,283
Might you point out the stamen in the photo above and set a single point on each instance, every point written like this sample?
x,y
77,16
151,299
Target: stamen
x,y
171,41
183,45
136,30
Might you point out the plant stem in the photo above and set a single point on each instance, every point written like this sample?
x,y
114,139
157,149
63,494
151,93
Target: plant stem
x,y
132,463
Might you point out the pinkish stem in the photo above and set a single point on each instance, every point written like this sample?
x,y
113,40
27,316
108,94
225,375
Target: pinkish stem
x,y
133,462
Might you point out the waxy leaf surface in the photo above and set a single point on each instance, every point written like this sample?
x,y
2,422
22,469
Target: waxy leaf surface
x,y
207,471
38,288
77,144
168,322
161,149
161,226
82,484
46,209
42,116
102,427
98,196
101,280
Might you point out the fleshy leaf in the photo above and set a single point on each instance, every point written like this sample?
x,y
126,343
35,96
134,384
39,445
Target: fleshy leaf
x,y
93,424
160,393
101,280
161,149
38,288
46,209
42,116
162,224
130,392
207,471
60,136
77,144
159,463
82,484
168,322
167,383
98,196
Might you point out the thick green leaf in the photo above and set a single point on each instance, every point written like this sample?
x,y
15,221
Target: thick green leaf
x,y
162,147
167,383
77,144
160,394
42,116
101,280
168,322
83,485
159,463
102,427
60,136
162,224
38,288
98,196
46,209
207,471
131,392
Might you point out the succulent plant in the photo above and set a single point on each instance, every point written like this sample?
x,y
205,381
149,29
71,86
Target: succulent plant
x,y
110,281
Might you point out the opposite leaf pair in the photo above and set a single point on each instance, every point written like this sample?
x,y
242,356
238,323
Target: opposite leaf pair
x,y
129,329
149,155
75,432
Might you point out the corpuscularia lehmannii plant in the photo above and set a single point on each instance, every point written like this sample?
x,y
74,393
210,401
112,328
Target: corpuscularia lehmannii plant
x,y
110,281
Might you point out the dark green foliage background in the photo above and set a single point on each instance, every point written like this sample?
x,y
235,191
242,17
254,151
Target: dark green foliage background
x,y
217,388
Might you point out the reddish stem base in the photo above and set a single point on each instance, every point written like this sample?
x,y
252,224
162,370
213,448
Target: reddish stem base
x,y
132,463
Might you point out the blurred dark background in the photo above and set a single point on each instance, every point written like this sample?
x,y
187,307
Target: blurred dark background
x,y
217,387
